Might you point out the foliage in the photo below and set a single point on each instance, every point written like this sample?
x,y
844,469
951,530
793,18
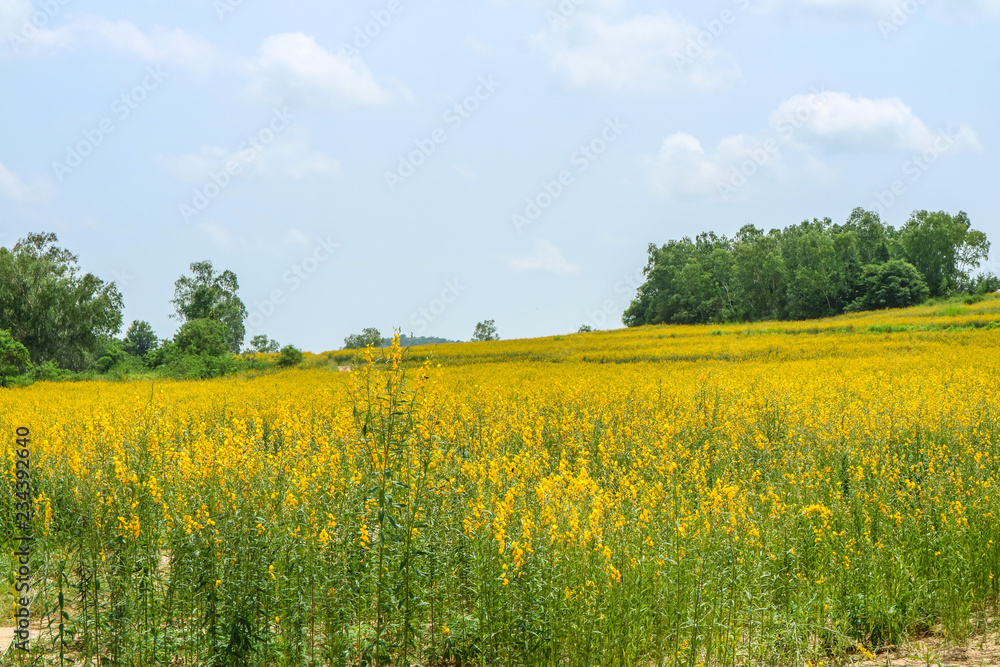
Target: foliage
x,y
58,313
261,344
810,270
719,494
290,356
485,331
140,339
943,248
410,341
585,328
895,284
369,336
208,295
200,349
14,358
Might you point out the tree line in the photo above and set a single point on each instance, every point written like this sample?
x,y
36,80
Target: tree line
x,y
810,270
55,319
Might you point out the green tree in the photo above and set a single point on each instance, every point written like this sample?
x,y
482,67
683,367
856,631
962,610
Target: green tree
x,y
895,284
290,356
57,312
486,330
203,337
200,349
944,249
261,344
208,295
760,277
585,328
140,339
369,336
14,358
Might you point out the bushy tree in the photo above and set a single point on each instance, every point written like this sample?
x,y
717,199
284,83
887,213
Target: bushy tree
x,y
140,339
207,295
895,284
369,336
200,349
290,356
261,344
486,330
14,358
944,248
57,312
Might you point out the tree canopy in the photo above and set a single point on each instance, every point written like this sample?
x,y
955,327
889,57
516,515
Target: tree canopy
x,y
809,270
58,313
208,295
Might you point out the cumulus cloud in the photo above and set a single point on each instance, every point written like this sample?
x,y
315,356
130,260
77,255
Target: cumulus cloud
x,y
638,54
839,122
288,68
293,67
545,257
801,131
683,169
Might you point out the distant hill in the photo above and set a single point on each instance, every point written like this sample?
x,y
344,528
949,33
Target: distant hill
x,y
407,341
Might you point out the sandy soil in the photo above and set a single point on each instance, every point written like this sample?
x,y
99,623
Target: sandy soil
x,y
982,651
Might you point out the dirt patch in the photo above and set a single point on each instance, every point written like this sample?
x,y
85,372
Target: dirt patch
x,y
982,651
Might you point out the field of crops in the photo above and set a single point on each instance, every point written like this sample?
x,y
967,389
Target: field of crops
x,y
705,495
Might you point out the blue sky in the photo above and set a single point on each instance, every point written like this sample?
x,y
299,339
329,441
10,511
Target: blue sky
x,y
427,165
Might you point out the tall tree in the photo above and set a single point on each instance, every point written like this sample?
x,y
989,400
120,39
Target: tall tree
x,y
57,312
140,339
944,248
208,295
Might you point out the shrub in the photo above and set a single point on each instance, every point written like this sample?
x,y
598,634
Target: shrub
x,y
290,356
895,284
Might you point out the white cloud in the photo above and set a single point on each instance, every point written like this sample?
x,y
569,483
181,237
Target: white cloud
x,y
16,189
885,9
544,257
293,67
289,155
839,122
287,68
684,170
170,48
800,132
638,54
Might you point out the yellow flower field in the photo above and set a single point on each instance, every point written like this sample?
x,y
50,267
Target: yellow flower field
x,y
706,495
